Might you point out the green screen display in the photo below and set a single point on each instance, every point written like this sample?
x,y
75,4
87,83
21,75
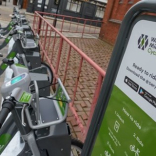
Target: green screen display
x,y
17,79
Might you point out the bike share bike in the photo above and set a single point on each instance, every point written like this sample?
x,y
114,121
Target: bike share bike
x,y
27,51
16,18
40,120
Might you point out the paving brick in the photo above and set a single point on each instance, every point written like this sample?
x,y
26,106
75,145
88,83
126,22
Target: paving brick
x,y
70,114
83,115
73,122
88,113
76,128
86,122
80,136
86,109
83,104
70,118
86,99
78,97
82,121
79,108
86,94
74,135
88,103
80,93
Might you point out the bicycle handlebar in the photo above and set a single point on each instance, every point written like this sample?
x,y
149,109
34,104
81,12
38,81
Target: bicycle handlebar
x,y
7,107
3,115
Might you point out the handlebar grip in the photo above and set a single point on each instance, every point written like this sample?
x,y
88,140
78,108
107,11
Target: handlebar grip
x,y
3,115
7,106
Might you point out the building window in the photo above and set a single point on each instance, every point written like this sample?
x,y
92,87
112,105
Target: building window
x,y
46,2
73,5
100,12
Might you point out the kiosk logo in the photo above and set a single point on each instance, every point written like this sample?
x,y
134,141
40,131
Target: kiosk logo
x,y
143,42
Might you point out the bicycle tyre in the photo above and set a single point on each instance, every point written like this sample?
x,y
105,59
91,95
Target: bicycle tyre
x,y
76,147
50,73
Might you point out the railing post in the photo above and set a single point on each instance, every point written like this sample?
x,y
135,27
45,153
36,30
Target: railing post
x,y
44,43
55,20
39,26
77,26
90,26
70,24
95,28
53,47
58,57
67,62
96,95
42,31
45,37
77,118
62,24
34,22
49,36
83,28
77,79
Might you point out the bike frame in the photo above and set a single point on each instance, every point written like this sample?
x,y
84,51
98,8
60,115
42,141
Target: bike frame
x,y
45,133
7,133
4,31
6,41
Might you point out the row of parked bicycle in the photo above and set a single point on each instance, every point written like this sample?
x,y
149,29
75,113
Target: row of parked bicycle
x,y
29,106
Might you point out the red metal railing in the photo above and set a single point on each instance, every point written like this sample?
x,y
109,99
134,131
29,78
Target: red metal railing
x,y
73,66
69,24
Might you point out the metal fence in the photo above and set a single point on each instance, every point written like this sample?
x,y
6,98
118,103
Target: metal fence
x,y
72,65
69,24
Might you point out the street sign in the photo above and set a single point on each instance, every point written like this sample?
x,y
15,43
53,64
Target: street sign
x,y
130,118
127,126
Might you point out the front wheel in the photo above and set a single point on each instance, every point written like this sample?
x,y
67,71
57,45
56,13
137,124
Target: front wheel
x,y
49,71
76,147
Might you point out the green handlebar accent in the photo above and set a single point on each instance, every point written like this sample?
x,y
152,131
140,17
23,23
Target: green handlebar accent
x,y
11,55
4,140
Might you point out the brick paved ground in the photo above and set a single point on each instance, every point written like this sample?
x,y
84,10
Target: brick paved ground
x,y
97,50
100,53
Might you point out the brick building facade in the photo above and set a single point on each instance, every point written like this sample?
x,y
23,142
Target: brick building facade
x,y
114,14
